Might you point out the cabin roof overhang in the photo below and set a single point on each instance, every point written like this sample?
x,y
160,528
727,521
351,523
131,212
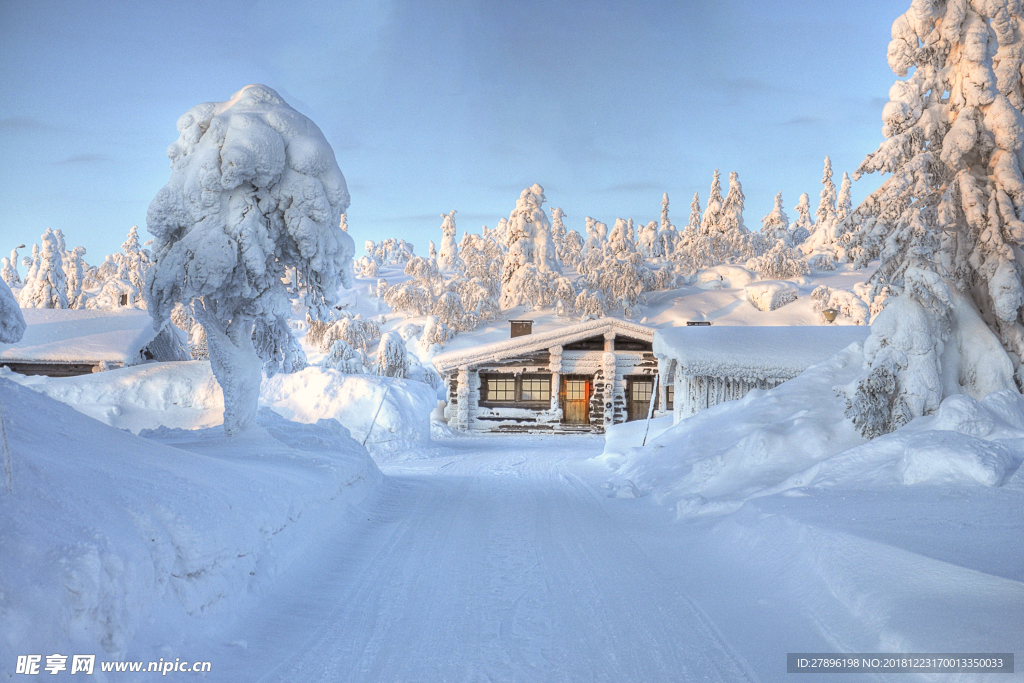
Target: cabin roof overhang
x,y
540,341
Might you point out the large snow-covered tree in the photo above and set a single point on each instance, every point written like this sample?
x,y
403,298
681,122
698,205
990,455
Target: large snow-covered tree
x,y
947,224
803,225
9,268
775,226
531,265
255,188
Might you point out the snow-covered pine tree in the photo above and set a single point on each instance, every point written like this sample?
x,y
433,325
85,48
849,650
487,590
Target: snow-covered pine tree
x,y
822,240
448,309
448,254
31,263
803,225
667,233
391,356
254,189
775,226
431,250
713,211
136,260
947,224
46,285
732,207
826,211
844,202
693,225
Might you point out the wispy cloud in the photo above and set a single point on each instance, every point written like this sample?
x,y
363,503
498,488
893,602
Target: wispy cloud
x,y
24,123
803,121
86,159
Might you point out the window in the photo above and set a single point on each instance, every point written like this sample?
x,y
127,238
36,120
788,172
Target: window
x,y
514,389
501,389
576,390
670,397
642,390
536,388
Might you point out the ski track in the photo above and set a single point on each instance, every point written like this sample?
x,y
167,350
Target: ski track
x,y
487,562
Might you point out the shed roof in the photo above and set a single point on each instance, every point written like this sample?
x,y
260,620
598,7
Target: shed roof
x,y
755,352
82,336
529,343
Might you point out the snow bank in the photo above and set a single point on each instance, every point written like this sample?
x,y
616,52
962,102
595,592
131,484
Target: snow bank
x,y
767,296
107,535
796,435
186,395
725,277
755,352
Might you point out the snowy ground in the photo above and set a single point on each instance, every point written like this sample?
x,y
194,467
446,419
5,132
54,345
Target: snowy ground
x,y
504,559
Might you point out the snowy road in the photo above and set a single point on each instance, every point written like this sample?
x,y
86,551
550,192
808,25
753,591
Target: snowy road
x,y
484,564
503,559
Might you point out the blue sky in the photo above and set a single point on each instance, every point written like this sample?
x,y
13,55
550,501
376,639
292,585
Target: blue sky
x,y
433,106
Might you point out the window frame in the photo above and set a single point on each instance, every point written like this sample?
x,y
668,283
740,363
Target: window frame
x,y
517,401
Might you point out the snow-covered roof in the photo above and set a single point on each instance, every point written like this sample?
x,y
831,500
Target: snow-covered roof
x,y
755,352
81,336
540,341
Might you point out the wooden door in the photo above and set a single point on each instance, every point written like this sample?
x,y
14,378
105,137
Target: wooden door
x,y
639,393
575,398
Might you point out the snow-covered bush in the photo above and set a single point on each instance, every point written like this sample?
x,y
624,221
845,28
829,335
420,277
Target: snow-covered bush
x,y
781,262
390,252
946,224
343,358
767,296
254,189
391,356
367,267
355,331
822,263
847,303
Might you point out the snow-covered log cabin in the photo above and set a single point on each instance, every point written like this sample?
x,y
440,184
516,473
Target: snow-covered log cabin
x,y
705,366
575,379
66,342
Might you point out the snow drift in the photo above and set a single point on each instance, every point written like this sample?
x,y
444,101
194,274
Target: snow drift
x,y
106,535
795,435
186,395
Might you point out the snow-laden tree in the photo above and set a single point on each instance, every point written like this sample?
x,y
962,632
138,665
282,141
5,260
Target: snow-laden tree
x,y
343,358
354,330
775,226
31,263
416,295
448,255
431,250
435,334
649,242
803,225
530,265
12,322
693,225
391,356
713,211
822,239
732,208
844,202
75,277
667,233
780,262
620,239
9,268
46,285
597,232
136,259
478,284
947,224
254,189
448,309
568,243
391,251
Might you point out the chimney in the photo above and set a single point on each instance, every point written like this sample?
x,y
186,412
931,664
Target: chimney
x,y
521,328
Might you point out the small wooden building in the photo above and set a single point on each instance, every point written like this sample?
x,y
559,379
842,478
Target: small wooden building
x,y
68,342
579,378
705,366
